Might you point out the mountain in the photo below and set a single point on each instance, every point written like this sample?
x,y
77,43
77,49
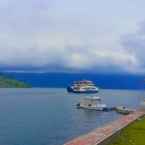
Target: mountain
x,y
62,80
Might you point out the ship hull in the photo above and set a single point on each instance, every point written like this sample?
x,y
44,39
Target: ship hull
x,y
69,89
79,106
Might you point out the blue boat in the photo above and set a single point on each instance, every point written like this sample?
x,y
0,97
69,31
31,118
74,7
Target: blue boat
x,y
84,86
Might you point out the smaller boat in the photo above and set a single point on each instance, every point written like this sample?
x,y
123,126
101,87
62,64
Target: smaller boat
x,y
123,110
92,103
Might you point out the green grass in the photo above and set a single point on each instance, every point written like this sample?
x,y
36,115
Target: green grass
x,y
7,82
134,134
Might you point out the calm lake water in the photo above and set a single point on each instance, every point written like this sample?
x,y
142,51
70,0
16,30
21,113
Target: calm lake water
x,y
49,116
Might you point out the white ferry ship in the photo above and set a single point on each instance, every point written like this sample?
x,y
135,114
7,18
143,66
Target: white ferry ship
x,y
84,86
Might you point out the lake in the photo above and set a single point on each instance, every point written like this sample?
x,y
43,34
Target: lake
x,y
48,116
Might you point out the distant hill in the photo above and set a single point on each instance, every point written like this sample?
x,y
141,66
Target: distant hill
x,y
62,80
8,82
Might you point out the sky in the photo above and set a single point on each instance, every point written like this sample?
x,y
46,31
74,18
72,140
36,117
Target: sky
x,y
72,36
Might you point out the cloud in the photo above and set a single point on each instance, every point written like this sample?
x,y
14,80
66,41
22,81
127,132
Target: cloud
x,y
135,44
57,35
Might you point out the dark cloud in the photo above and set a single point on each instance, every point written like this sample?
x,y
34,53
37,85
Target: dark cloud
x,y
135,44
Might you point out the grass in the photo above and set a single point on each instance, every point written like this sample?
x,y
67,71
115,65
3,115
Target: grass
x,y
7,82
134,134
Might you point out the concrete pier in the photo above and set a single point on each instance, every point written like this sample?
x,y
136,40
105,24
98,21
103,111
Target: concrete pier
x,y
98,136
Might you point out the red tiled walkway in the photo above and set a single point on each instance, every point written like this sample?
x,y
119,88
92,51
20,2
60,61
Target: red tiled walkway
x,y
100,134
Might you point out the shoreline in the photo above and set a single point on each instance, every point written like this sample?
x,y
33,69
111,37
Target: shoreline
x,y
101,135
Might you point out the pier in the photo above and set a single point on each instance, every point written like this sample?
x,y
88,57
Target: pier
x,y
100,135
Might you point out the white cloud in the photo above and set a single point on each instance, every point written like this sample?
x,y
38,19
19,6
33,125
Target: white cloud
x,y
74,35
